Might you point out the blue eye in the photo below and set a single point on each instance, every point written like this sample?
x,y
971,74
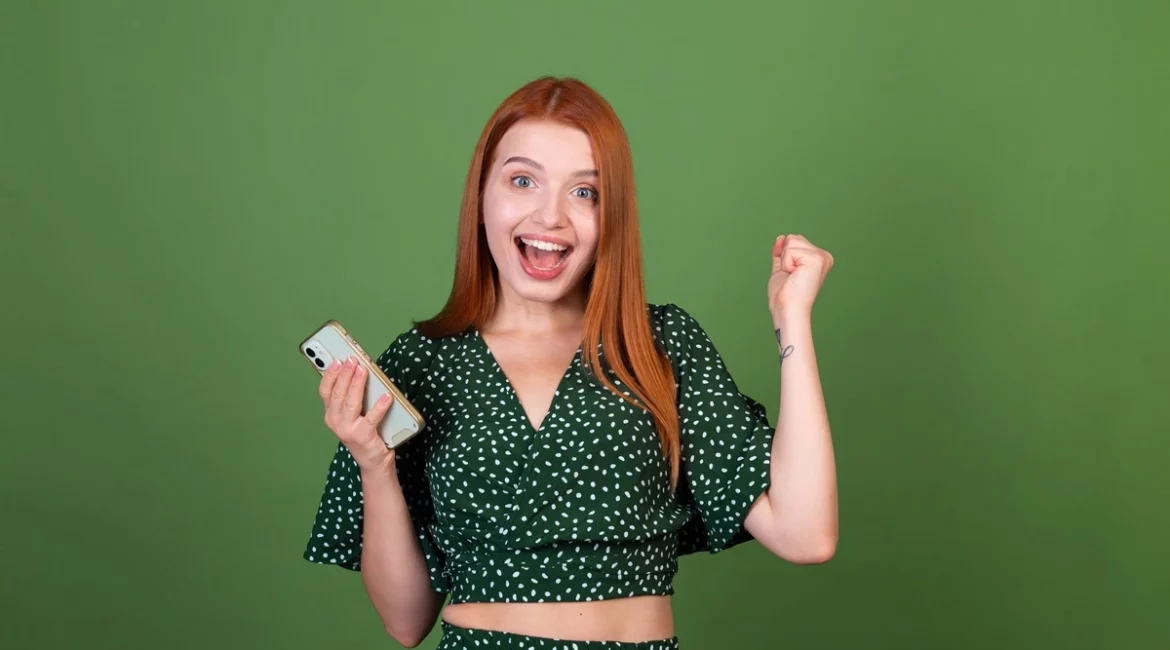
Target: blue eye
x,y
585,193
522,181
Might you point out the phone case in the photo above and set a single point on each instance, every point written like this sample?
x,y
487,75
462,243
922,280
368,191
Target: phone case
x,y
331,341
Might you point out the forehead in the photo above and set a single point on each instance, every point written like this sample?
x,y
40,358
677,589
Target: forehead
x,y
555,146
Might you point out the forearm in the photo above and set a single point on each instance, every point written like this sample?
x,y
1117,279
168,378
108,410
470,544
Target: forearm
x,y
803,493
394,571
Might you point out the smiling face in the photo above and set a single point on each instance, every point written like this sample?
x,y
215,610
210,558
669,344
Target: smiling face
x,y
541,210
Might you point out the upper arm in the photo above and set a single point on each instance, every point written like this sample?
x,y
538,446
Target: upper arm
x,y
725,435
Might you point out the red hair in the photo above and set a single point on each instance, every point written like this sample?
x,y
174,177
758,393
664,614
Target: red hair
x,y
616,311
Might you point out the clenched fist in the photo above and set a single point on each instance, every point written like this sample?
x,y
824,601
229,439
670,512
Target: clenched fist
x,y
798,271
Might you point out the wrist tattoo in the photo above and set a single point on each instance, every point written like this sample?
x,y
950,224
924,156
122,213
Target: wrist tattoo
x,y
785,351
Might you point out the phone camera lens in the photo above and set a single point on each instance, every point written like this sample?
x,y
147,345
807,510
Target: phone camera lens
x,y
320,363
309,351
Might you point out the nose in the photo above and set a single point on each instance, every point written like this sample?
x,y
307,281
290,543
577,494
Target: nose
x,y
553,213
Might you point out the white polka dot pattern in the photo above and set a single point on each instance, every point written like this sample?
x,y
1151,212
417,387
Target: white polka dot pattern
x,y
578,509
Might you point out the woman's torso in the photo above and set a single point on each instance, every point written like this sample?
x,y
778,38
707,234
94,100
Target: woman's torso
x,y
535,372
546,488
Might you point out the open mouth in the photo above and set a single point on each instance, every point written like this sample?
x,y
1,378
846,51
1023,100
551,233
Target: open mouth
x,y
542,255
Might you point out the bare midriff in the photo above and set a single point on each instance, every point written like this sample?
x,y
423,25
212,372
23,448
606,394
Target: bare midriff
x,y
630,620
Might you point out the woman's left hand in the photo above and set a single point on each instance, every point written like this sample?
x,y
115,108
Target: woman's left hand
x,y
798,271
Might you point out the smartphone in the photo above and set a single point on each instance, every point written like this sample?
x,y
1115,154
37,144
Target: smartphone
x,y
332,342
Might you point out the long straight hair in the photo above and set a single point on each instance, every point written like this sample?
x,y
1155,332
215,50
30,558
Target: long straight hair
x,y
616,318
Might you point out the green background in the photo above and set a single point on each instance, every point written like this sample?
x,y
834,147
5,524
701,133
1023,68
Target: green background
x,y
186,189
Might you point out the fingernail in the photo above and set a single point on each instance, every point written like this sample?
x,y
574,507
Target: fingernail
x,y
384,398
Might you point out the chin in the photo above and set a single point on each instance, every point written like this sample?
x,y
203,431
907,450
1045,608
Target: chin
x,y
540,291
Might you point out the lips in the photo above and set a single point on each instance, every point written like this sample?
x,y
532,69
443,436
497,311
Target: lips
x,y
543,258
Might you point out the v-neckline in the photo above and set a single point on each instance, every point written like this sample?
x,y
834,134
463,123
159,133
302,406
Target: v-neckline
x,y
511,388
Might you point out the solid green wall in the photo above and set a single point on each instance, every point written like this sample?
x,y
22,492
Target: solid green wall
x,y
187,188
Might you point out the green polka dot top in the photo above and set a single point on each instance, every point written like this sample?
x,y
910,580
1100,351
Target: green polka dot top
x,y
580,509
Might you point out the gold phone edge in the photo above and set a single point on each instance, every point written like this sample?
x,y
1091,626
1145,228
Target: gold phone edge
x,y
364,358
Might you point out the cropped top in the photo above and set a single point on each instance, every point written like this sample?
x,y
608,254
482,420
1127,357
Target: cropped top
x,y
578,509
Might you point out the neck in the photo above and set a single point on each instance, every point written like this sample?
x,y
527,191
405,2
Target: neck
x,y
518,315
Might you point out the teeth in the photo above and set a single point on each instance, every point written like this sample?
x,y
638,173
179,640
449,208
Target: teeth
x,y
543,245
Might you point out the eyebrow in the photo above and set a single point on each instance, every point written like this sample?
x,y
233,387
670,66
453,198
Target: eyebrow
x,y
533,163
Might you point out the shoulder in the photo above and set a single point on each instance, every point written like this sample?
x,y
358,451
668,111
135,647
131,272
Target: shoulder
x,y
408,359
674,326
679,334
407,348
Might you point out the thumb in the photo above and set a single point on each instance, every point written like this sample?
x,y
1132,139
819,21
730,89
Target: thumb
x,y
374,416
778,245
781,257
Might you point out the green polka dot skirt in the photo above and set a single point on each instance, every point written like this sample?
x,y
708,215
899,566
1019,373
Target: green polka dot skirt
x,y
459,638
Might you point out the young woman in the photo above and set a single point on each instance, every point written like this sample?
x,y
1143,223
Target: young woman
x,y
578,439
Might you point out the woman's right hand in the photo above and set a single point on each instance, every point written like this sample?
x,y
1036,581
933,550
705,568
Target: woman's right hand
x,y
342,389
